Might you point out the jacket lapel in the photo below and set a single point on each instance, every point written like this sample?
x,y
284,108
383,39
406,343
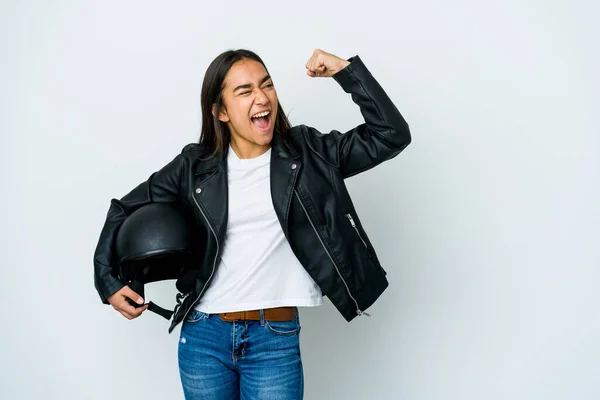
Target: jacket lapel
x,y
285,165
211,191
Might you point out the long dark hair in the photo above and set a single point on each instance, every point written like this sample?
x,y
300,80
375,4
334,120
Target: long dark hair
x,y
215,134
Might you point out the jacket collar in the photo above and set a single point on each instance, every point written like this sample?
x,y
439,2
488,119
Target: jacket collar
x,y
208,163
280,147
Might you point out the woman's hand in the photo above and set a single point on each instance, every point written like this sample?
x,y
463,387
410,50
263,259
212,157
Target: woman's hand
x,y
324,65
119,302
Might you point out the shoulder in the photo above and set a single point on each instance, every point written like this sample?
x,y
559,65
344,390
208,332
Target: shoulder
x,y
197,158
304,132
193,151
310,135
310,142
192,148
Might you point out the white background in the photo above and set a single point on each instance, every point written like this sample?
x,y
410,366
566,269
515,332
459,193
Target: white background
x,y
488,223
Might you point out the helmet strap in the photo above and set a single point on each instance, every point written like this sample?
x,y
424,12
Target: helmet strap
x,y
138,287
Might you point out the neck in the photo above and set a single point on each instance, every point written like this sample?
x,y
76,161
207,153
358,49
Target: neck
x,y
249,150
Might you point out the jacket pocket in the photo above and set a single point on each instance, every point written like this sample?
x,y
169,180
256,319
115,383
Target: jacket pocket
x,y
355,227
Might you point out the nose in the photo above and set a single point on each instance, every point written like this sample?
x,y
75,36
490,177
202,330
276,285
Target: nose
x,y
261,98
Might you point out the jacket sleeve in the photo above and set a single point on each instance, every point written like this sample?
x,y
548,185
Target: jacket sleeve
x,y
382,136
161,187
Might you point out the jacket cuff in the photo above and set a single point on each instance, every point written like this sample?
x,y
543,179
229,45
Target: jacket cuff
x,y
106,292
345,77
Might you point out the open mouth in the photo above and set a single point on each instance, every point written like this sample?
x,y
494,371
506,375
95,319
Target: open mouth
x,y
262,120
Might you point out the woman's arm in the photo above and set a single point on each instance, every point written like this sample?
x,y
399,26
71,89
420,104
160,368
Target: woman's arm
x,y
161,187
382,136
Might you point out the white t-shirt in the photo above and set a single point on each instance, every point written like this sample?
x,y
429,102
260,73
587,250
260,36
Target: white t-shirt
x,y
258,268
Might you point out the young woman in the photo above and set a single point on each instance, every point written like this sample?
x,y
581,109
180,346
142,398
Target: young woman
x,y
282,228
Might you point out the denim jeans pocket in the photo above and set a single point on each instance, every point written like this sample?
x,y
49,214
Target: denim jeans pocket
x,y
283,328
194,316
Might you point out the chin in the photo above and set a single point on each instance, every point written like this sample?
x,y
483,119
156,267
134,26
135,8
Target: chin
x,y
264,136
267,138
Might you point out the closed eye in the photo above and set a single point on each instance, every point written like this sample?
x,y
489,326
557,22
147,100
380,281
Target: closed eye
x,y
270,85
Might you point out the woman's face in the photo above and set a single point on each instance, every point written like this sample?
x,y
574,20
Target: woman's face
x,y
250,108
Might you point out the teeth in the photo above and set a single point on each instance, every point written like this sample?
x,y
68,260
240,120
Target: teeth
x,y
262,114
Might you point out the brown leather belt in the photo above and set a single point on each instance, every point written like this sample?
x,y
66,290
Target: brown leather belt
x,y
271,314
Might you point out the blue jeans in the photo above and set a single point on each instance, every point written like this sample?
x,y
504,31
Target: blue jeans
x,y
246,360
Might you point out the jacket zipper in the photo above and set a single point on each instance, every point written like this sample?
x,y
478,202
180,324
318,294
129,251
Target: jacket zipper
x,y
214,263
356,229
358,310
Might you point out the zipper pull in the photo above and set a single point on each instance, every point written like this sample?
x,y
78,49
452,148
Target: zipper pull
x,y
351,223
180,299
361,313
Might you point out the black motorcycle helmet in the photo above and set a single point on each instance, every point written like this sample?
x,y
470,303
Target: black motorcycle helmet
x,y
159,241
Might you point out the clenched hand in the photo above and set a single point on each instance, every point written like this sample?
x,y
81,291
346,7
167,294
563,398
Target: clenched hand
x,y
119,302
324,65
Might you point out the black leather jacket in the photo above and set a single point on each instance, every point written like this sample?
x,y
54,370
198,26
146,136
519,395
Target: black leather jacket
x,y
310,198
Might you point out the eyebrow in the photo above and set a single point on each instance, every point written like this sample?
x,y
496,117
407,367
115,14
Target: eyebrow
x,y
249,85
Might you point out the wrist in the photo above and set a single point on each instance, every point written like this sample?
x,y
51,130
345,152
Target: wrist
x,y
343,64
